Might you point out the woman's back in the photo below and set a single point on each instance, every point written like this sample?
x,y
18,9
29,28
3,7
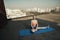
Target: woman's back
x,y
33,23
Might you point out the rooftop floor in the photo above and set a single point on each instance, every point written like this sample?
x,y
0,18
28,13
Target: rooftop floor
x,y
10,30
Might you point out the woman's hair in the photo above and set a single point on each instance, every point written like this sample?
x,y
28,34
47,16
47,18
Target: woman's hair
x,y
33,17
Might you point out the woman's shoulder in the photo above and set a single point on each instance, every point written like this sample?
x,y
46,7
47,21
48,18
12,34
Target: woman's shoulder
x,y
34,20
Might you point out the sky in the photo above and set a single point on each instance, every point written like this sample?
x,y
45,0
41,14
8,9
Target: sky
x,y
23,4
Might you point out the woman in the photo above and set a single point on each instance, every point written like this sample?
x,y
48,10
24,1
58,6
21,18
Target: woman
x,y
34,24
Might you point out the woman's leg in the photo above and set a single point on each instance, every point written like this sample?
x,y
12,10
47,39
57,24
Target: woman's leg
x,y
42,27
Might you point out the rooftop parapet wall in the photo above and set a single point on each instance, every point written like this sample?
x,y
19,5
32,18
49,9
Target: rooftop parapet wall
x,y
3,18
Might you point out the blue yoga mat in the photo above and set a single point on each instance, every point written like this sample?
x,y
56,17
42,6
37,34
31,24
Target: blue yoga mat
x,y
26,32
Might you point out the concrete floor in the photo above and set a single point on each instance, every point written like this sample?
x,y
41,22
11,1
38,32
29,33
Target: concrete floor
x,y
10,30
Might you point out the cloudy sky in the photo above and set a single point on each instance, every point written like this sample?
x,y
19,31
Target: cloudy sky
x,y
23,4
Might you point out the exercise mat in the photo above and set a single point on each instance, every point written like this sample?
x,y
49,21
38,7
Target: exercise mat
x,y
27,32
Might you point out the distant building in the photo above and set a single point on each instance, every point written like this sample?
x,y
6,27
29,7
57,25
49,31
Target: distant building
x,y
57,10
14,13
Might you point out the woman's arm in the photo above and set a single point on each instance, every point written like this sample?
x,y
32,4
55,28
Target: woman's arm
x,y
31,24
37,23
